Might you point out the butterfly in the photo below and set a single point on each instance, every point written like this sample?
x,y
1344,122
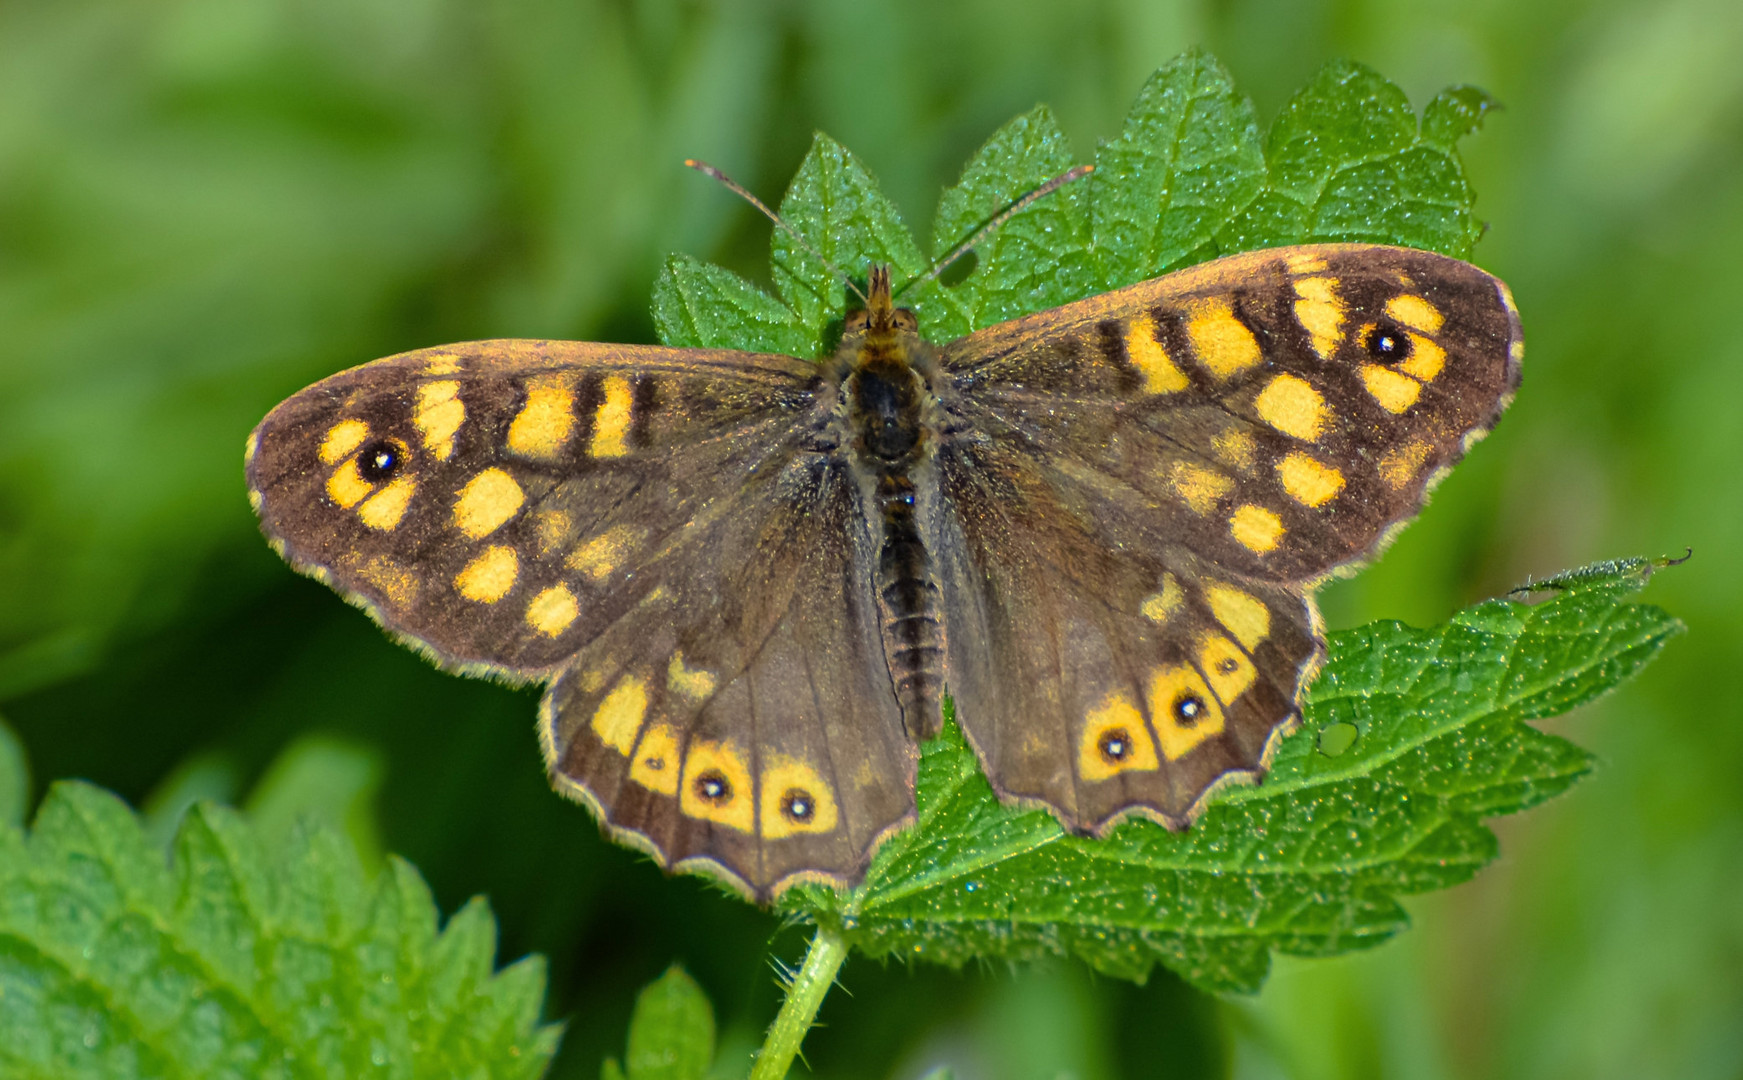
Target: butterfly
x,y
747,581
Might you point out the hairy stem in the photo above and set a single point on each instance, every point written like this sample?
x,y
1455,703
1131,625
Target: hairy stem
x,y
799,1011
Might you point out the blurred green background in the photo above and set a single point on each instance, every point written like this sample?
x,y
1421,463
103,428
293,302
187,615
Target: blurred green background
x,y
206,204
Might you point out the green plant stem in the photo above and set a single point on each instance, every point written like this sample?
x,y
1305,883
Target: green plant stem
x,y
799,1011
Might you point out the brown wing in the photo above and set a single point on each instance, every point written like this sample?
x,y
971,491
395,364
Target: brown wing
x,y
744,723
1196,452
648,530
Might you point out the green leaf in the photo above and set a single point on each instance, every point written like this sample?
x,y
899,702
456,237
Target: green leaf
x,y
834,203
1412,736
1187,179
14,777
1037,259
327,779
242,958
699,306
1348,161
671,1033
1186,162
1311,862
1454,113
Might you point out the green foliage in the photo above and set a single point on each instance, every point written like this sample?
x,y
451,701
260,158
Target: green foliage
x,y
1313,861
242,959
14,777
671,1033
1185,180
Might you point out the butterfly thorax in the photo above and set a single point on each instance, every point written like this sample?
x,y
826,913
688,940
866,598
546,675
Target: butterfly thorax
x,y
885,404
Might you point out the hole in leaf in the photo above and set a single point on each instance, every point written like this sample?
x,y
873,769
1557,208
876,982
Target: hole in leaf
x,y
1336,739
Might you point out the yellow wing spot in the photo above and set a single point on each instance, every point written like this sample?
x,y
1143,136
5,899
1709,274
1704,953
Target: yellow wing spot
x,y
555,528
1426,359
1229,670
1114,740
591,680
1183,709
486,503
553,610
546,421
398,585
717,786
620,714
438,416
488,577
442,364
384,509
341,439
1309,482
695,684
1416,313
1256,528
656,761
1399,467
1393,391
795,800
1236,447
1160,606
611,420
1161,375
1292,406
1197,486
1222,343
346,486
1242,614
251,447
1318,308
1304,262
600,556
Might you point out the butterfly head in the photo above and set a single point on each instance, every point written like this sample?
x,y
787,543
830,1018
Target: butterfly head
x,y
880,322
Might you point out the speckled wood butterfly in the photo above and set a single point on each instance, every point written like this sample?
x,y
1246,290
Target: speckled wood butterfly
x,y
747,580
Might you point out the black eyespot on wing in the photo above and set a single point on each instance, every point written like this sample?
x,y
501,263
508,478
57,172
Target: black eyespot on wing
x,y
1115,745
1188,709
381,460
1387,344
712,786
798,805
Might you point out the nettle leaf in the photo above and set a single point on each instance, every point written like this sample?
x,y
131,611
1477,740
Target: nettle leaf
x,y
1411,736
242,959
1037,259
1347,160
1313,861
1187,179
1186,162
700,306
671,1032
834,203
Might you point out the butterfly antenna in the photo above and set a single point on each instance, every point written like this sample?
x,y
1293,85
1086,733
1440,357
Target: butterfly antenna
x,y
739,189
997,220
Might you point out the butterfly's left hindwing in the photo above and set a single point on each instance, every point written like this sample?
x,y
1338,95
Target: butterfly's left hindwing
x,y
650,531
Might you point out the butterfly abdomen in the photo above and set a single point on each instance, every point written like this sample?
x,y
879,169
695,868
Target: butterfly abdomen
x,y
908,601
